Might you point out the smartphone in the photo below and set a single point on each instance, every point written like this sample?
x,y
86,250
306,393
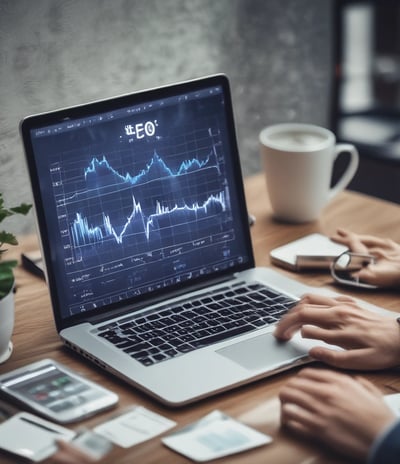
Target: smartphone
x,y
314,251
56,392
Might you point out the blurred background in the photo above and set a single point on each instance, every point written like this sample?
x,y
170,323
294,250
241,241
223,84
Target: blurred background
x,y
56,53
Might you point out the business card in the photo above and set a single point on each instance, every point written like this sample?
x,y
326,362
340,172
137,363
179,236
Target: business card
x,y
134,426
215,436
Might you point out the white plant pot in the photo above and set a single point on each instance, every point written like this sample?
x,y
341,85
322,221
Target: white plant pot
x,y
6,326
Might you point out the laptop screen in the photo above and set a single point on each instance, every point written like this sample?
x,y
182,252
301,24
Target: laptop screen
x,y
137,195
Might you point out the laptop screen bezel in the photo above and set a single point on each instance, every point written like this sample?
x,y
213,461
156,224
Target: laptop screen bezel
x,y
35,122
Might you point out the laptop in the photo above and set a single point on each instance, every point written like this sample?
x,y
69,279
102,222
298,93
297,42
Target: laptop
x,y
144,231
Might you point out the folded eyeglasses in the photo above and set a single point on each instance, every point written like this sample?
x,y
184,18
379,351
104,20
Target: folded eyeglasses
x,y
346,265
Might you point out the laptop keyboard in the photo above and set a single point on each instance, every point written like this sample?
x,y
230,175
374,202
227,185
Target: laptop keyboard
x,y
196,323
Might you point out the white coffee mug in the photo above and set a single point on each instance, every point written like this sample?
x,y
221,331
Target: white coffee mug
x,y
298,161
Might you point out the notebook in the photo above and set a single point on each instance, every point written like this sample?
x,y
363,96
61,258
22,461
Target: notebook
x,y
144,231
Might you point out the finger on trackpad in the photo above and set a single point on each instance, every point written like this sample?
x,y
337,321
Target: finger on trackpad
x,y
307,343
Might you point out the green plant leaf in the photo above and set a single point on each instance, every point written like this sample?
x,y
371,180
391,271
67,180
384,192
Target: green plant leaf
x,y
6,237
6,277
23,208
6,267
4,213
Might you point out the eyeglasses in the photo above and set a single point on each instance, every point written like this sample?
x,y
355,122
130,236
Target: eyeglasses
x,y
344,266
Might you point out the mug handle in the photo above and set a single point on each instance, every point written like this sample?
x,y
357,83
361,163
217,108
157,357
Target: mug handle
x,y
350,171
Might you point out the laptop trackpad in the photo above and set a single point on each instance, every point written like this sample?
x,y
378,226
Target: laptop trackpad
x,y
261,351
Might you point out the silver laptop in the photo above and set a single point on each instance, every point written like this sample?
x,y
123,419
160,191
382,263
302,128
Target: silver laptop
x,y
144,231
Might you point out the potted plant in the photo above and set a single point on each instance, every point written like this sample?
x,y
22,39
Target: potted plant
x,y
7,280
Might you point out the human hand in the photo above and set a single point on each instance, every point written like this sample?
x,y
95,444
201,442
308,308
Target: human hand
x,y
370,340
385,272
336,409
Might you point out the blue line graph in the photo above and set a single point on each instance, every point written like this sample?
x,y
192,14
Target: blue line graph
x,y
156,165
151,208
84,234
101,174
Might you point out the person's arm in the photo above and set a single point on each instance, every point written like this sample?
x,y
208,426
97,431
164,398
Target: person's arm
x,y
370,340
385,272
346,414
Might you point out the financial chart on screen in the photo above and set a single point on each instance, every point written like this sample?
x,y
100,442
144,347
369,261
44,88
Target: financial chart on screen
x,y
141,198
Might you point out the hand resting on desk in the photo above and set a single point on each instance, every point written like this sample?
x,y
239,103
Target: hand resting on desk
x,y
385,272
344,413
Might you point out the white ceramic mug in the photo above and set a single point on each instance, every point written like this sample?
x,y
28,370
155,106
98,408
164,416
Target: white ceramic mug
x,y
298,161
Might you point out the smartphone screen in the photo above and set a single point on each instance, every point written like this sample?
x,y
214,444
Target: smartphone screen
x,y
56,392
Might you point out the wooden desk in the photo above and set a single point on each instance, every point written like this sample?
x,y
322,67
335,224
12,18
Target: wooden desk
x,y
256,404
